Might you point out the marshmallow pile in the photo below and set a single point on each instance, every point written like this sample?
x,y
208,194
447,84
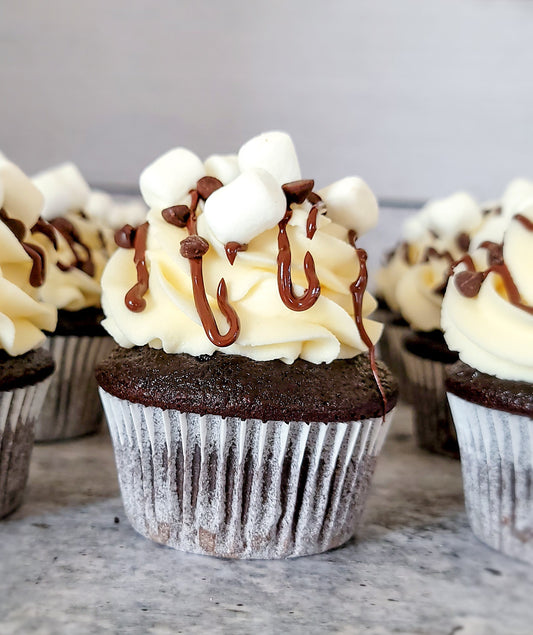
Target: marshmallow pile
x,y
251,200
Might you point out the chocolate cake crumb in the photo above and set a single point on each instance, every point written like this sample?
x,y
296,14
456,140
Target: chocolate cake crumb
x,y
24,370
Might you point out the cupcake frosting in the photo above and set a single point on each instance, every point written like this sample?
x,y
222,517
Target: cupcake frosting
x,y
23,265
413,281
239,254
78,246
487,313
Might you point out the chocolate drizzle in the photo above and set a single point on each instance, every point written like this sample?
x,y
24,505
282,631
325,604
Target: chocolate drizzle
x,y
134,299
232,248
74,241
286,292
469,282
42,227
37,273
310,228
357,289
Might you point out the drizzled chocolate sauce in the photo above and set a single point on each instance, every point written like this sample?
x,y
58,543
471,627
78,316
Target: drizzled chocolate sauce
x,y
232,248
310,228
38,259
73,239
469,282
134,298
357,289
42,227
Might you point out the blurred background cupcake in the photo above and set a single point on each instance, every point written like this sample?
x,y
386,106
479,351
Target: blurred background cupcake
x,y
24,365
250,430
78,244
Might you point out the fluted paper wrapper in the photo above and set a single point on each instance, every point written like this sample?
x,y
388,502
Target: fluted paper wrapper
x,y
497,464
72,407
19,410
242,488
390,349
433,424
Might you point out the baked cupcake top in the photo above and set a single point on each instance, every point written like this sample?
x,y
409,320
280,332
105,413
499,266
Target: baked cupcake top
x,y
242,256
487,312
23,266
77,246
412,282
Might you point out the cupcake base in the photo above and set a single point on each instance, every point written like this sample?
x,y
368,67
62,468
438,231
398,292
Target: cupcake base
x,y
72,408
497,465
239,488
19,410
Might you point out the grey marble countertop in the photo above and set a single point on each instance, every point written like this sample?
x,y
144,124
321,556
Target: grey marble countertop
x,y
71,563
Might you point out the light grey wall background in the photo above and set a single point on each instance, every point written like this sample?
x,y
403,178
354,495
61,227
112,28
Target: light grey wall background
x,y
420,97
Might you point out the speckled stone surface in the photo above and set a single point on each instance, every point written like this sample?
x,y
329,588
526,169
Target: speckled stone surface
x,y
68,566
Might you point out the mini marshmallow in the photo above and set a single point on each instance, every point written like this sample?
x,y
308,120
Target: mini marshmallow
x,y
225,167
450,216
168,180
273,152
64,190
351,203
251,204
99,205
518,195
20,198
414,229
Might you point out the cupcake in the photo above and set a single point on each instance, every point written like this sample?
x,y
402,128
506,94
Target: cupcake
x,y
487,316
244,402
24,367
77,248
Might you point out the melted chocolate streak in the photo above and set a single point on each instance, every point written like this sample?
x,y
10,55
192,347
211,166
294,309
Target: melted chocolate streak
x,y
37,273
295,192
469,282
70,234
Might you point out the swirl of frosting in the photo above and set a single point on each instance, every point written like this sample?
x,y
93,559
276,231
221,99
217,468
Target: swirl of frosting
x,y
413,281
78,246
22,265
487,312
243,216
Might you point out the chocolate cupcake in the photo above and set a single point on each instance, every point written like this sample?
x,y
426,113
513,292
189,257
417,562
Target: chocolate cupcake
x,y
487,317
77,247
251,430
24,371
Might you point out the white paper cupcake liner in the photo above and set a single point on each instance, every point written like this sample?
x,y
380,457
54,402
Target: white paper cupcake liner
x,y
433,424
72,407
391,346
242,488
19,411
497,464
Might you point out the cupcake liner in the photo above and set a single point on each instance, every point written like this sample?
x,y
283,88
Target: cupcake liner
x,y
242,488
497,464
433,425
72,407
19,411
391,347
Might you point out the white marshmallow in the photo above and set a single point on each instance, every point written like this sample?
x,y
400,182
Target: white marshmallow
x,y
99,205
273,152
450,216
225,167
351,203
414,229
251,204
169,178
20,198
517,196
64,189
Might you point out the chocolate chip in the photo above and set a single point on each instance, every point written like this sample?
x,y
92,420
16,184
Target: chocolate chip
x,y
207,185
177,215
298,191
469,283
495,252
314,198
193,247
463,241
125,237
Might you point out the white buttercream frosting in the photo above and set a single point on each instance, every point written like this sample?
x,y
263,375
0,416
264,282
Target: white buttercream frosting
x,y
487,330
247,210
22,315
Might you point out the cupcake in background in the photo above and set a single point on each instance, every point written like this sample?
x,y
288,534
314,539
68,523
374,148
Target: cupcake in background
x,y
77,249
24,365
487,317
244,402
